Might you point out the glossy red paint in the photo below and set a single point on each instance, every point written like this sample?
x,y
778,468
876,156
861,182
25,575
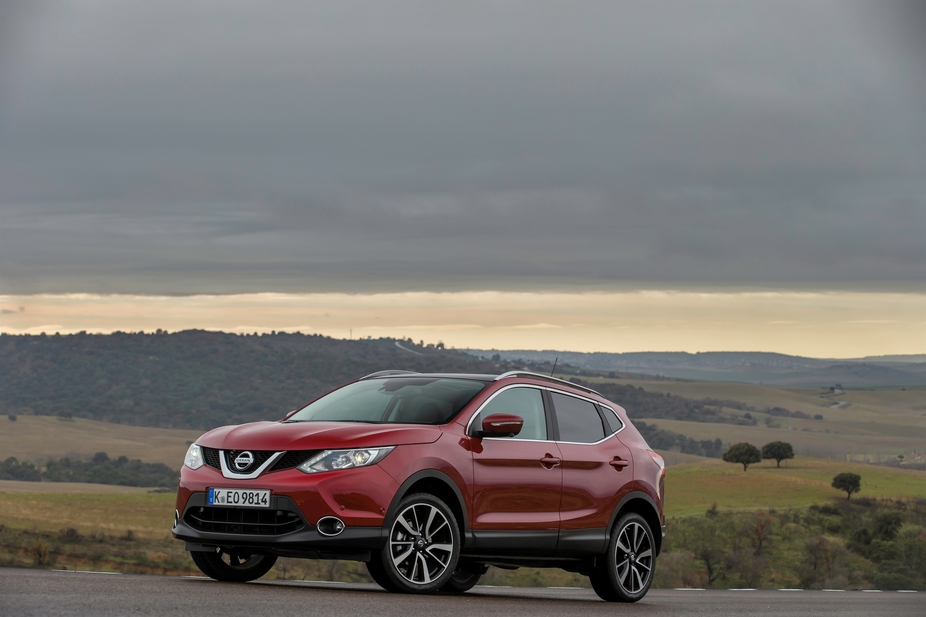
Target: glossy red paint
x,y
316,436
512,488
508,492
592,488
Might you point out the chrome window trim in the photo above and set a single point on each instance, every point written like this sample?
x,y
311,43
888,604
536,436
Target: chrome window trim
x,y
231,475
551,390
478,411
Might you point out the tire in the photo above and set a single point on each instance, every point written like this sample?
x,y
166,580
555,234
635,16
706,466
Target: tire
x,y
625,572
422,548
235,567
378,574
461,581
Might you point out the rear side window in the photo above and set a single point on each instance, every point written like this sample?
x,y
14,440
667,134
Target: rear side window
x,y
610,417
524,402
578,420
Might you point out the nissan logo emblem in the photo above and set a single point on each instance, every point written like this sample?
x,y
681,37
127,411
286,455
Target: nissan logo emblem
x,y
243,461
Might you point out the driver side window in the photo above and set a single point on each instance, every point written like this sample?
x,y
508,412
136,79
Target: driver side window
x,y
524,402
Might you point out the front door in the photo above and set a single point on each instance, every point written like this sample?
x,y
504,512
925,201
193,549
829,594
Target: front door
x,y
517,480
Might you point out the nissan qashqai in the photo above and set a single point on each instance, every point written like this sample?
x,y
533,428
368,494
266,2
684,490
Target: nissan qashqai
x,y
429,479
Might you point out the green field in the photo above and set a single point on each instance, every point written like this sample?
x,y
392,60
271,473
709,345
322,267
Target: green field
x,y
692,489
127,530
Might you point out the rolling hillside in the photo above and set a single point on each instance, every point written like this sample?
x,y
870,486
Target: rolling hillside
x,y
747,367
692,489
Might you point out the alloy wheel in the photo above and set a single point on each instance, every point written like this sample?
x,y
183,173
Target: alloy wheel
x,y
421,543
633,557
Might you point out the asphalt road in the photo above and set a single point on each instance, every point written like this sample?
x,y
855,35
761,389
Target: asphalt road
x,y
40,592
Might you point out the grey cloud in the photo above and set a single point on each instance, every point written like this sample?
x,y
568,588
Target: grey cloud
x,y
179,148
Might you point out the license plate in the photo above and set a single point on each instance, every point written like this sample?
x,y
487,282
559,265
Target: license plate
x,y
239,497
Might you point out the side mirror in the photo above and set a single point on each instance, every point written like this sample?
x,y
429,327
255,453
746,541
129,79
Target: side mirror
x,y
501,425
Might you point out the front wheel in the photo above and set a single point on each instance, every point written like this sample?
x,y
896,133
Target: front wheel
x,y
232,566
625,572
461,581
423,547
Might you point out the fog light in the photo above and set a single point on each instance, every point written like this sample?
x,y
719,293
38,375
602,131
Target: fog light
x,y
330,526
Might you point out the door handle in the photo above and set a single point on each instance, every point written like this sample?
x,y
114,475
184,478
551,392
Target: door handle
x,y
549,461
619,464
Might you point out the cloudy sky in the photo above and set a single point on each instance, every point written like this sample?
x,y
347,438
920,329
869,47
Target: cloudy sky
x,y
351,158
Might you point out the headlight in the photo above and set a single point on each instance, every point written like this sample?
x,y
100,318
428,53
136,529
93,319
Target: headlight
x,y
194,457
329,460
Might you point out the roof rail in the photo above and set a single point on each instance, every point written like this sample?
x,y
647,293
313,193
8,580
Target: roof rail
x,y
388,374
546,378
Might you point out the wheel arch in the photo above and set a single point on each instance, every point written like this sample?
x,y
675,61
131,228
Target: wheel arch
x,y
439,484
640,503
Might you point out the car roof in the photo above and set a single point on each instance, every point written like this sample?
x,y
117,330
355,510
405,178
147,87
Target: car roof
x,y
479,377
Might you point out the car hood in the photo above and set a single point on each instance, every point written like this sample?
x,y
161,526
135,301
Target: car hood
x,y
316,435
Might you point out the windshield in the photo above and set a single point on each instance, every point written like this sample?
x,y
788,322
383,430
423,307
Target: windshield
x,y
401,400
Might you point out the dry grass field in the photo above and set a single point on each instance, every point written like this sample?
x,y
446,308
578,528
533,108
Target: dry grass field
x,y
146,515
863,425
40,438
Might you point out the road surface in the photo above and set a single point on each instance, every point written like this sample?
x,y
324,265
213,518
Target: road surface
x,y
40,592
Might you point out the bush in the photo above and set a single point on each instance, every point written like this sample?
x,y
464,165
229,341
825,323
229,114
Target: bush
x,y
103,470
11,469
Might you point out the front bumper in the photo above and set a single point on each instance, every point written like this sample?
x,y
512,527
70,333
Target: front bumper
x,y
358,497
352,543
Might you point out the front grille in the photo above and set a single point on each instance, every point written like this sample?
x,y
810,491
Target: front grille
x,y
260,457
287,461
243,520
211,456
291,459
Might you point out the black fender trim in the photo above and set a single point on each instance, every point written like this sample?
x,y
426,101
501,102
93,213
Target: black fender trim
x,y
426,474
641,496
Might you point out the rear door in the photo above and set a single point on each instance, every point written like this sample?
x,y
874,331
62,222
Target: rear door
x,y
597,472
517,480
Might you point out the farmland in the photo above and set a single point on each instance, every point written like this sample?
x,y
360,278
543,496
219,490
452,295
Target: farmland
x,y
40,438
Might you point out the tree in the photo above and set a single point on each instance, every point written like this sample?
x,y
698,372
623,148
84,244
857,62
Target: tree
x,y
848,482
743,453
778,450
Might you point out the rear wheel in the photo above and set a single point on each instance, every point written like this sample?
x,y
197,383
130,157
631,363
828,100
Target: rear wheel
x,y
421,553
233,566
625,572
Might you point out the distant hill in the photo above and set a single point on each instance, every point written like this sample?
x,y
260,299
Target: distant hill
x,y
196,379
747,367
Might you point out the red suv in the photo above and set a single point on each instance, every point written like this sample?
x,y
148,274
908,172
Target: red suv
x,y
429,479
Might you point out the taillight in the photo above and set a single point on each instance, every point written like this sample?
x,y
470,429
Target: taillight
x,y
661,480
657,459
